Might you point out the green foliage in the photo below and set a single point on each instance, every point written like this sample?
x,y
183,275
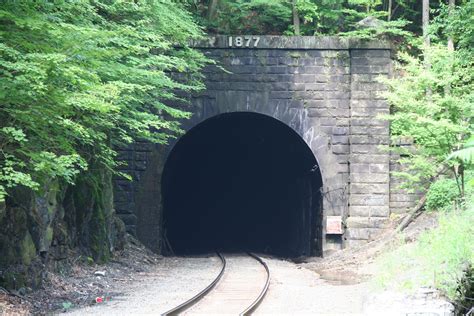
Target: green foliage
x,y
432,99
437,259
318,17
466,154
252,17
442,194
436,121
81,77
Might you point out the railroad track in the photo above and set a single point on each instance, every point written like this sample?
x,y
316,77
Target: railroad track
x,y
238,289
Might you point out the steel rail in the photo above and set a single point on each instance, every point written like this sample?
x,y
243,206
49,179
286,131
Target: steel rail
x,y
193,300
252,307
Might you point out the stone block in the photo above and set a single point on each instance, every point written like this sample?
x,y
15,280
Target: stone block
x,y
369,188
369,177
381,104
379,168
371,139
276,69
365,112
367,149
402,210
366,60
372,122
380,211
357,233
369,158
370,53
360,167
342,167
368,200
340,149
140,165
305,78
370,69
315,86
340,130
342,79
357,222
343,120
359,211
340,139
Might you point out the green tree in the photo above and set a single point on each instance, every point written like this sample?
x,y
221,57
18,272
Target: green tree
x,y
441,121
80,77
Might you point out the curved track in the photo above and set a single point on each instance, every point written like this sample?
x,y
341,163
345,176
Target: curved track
x,y
237,290
193,300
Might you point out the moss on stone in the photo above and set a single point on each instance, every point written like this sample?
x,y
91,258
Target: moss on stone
x,y
27,249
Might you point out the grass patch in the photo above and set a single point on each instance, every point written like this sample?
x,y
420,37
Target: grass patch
x,y
438,259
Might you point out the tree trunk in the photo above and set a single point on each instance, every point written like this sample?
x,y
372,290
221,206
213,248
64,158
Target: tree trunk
x,y
426,21
389,10
447,89
450,38
296,19
212,9
426,38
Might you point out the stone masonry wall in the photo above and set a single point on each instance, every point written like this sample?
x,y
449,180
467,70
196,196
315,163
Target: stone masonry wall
x,y
323,88
369,163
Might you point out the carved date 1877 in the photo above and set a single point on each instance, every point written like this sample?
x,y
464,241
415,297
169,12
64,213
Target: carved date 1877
x,y
243,41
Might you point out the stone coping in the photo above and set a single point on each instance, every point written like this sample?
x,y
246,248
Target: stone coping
x,y
289,42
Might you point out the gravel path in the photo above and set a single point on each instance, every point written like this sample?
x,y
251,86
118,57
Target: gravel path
x,y
296,290
293,290
172,281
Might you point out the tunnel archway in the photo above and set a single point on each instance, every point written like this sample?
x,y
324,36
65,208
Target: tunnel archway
x,y
242,181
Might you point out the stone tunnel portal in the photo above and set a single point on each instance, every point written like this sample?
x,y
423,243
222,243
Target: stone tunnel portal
x,y
242,181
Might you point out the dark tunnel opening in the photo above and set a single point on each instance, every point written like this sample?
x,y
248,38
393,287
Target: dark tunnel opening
x,y
242,182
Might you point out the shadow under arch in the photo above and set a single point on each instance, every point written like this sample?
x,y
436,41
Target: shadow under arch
x,y
242,181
